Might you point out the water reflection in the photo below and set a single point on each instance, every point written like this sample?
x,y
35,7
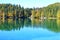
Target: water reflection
x,y
17,24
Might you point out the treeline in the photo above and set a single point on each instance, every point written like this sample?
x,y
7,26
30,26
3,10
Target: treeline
x,y
16,11
51,11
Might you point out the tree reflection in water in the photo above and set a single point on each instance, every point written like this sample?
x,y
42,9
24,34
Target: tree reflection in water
x,y
17,24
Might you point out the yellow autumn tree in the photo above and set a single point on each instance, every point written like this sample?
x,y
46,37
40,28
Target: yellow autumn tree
x,y
58,14
37,13
33,13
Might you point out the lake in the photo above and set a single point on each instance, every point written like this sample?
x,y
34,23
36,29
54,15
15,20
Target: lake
x,y
27,29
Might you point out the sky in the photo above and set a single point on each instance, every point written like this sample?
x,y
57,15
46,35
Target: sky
x,y
30,3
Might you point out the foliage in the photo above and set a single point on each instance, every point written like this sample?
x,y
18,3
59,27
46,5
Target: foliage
x,y
18,11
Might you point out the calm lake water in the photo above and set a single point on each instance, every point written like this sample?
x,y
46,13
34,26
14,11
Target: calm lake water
x,y
26,29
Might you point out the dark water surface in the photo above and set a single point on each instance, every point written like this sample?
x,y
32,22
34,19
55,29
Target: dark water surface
x,y
26,29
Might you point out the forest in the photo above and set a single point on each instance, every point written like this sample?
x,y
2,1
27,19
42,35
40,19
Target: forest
x,y
16,11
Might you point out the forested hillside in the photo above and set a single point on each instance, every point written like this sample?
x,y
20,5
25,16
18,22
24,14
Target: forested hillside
x,y
16,11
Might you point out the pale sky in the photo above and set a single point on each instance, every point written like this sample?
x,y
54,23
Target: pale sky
x,y
30,3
